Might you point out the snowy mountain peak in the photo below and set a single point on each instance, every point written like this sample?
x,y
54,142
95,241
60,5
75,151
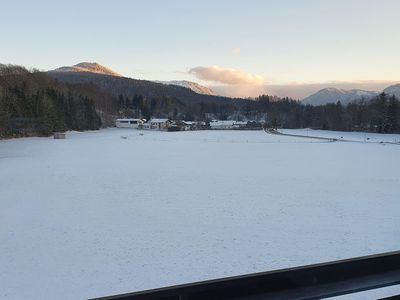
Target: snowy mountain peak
x,y
90,67
195,87
331,90
333,95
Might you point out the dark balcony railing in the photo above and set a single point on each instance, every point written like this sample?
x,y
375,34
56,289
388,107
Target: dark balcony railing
x,y
317,281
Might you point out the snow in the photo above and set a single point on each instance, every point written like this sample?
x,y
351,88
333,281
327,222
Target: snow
x,y
364,137
90,67
96,215
332,95
195,87
154,121
393,90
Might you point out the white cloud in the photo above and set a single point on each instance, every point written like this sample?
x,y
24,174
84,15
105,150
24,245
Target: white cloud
x,y
226,76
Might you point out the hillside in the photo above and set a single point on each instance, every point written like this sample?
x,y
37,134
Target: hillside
x,y
143,98
129,87
195,87
393,90
112,82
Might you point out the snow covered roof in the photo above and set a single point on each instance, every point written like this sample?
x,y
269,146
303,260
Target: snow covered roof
x,y
159,120
188,123
119,120
226,123
217,123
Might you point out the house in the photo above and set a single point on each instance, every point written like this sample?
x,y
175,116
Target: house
x,y
240,124
183,125
201,125
145,126
59,135
216,124
188,125
160,124
128,123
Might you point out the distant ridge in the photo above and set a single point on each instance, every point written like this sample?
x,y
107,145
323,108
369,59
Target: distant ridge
x,y
90,67
195,87
393,90
96,68
333,95
115,84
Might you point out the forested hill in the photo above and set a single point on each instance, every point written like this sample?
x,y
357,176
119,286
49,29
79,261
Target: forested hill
x,y
32,103
128,87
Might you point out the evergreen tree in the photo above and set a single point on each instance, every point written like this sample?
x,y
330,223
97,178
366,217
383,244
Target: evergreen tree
x,y
392,115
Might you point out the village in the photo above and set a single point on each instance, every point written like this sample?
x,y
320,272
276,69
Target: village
x,y
165,124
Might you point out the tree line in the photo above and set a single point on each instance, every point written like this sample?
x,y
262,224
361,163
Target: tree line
x,y
31,103
380,114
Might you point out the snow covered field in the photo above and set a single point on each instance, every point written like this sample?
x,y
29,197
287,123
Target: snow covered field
x,y
347,136
97,214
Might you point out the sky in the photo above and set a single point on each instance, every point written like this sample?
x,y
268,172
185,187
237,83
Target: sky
x,y
239,46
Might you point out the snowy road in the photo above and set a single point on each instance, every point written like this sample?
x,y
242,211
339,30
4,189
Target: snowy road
x,y
97,214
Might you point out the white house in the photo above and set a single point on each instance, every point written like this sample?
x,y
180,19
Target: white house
x,y
128,123
216,124
160,124
240,124
146,126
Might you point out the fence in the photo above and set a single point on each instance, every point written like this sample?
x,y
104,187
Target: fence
x,y
317,281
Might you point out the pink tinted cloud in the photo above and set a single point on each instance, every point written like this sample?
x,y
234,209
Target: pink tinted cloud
x,y
226,76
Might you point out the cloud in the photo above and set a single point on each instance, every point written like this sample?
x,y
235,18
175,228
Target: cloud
x,y
226,76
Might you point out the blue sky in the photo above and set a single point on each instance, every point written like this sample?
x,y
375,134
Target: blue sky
x,y
301,41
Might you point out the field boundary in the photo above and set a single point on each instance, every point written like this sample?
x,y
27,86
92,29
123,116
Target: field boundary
x,y
276,132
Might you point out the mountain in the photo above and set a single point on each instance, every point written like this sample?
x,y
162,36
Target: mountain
x,y
195,87
393,90
110,82
95,68
87,67
333,95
